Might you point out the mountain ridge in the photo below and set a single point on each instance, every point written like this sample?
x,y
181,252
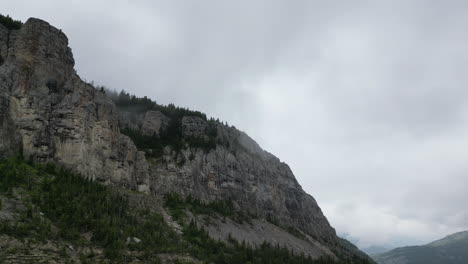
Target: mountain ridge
x,y
49,115
453,238
451,249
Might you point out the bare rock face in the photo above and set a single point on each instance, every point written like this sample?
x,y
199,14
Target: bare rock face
x,y
51,115
258,231
4,34
193,126
153,122
130,121
252,178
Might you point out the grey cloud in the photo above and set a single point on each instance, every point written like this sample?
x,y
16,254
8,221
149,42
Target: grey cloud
x,y
365,100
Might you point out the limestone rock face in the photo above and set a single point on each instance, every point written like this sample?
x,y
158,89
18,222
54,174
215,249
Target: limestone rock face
x,y
153,122
193,126
130,121
149,123
252,178
4,34
51,115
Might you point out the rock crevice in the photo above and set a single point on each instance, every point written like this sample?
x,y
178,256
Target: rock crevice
x,y
51,115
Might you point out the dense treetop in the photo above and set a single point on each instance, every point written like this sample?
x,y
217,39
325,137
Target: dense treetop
x,y
9,22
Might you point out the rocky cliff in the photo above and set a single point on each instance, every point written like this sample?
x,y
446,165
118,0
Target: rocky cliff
x,y
50,115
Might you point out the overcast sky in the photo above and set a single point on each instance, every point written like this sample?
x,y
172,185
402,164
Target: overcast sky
x,y
367,101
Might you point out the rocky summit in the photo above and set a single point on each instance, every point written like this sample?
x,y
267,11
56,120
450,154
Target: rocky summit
x,y
49,115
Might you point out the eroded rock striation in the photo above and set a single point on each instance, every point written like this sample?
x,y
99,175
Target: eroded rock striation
x,y
50,115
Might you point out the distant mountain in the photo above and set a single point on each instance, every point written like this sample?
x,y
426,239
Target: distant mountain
x,y
452,249
374,250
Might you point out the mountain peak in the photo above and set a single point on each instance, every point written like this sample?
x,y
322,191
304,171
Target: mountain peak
x,y
39,42
49,115
450,239
449,250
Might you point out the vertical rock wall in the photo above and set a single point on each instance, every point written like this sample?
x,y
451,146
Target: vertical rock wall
x,y
50,115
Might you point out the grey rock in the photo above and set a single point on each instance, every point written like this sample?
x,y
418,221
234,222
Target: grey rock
x,y
253,179
51,115
258,231
153,122
193,126
130,120
4,35
10,208
150,123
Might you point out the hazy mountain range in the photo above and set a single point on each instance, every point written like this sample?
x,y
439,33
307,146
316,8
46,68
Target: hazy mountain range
x,y
452,249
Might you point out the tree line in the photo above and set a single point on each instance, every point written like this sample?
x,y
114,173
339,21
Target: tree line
x,y
76,205
10,23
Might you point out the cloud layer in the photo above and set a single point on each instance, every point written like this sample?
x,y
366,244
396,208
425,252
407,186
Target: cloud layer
x,y
366,101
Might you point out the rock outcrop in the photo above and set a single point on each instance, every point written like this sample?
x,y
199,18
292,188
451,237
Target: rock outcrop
x,y
240,171
193,126
50,115
153,122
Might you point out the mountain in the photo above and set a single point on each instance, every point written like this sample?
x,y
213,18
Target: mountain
x,y
452,249
374,250
190,170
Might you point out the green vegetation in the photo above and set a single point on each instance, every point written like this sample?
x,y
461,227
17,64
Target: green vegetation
x,y
152,145
203,247
62,206
449,250
131,103
9,22
170,136
76,206
177,207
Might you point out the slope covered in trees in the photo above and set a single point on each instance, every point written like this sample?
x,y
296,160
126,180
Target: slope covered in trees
x,y
58,205
172,136
452,249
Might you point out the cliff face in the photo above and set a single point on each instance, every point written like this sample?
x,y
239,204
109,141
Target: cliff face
x,y
238,170
50,115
